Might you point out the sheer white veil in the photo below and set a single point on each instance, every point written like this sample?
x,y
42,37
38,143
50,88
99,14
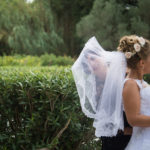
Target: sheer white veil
x,y
99,76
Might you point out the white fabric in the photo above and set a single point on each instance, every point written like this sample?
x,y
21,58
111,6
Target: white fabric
x,y
140,139
99,76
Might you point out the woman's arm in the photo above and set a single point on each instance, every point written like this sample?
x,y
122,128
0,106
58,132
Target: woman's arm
x,y
131,100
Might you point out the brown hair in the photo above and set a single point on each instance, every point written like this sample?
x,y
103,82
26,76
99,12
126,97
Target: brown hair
x,y
126,44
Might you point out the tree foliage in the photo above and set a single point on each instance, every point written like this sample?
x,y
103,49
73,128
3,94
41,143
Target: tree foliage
x,y
111,19
67,14
62,27
27,28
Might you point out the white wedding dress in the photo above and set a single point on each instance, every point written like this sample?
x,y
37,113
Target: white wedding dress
x,y
140,139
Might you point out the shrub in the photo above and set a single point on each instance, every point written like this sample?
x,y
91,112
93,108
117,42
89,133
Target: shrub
x,y
28,60
39,107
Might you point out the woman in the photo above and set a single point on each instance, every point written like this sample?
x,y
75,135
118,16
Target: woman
x,y
136,92
100,76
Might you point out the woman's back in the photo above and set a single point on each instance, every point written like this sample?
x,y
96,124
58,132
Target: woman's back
x,y
144,95
140,138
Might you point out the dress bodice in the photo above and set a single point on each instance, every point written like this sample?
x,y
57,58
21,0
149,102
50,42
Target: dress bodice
x,y
140,138
145,100
144,95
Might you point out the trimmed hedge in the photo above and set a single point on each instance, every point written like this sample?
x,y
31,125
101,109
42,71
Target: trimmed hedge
x,y
39,107
28,60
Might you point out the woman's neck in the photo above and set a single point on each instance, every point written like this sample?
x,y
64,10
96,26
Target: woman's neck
x,y
135,75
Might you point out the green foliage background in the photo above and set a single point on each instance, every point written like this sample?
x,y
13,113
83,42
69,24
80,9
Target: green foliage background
x,y
109,20
43,60
39,107
62,27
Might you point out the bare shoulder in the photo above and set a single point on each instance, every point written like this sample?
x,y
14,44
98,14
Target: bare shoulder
x,y
130,87
131,100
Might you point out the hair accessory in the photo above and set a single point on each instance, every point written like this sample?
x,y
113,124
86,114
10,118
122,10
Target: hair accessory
x,y
141,40
129,54
137,47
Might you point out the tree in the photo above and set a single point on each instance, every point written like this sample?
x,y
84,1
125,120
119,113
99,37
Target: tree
x,y
109,20
105,21
28,28
67,14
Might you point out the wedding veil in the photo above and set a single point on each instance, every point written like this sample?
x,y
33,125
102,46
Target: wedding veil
x,y
99,76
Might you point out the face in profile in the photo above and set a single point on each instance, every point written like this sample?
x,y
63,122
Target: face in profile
x,y
97,65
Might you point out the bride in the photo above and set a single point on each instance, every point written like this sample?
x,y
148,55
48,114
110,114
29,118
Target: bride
x,y
105,93
136,92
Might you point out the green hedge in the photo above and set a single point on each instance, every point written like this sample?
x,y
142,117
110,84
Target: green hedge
x,y
39,107
28,60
